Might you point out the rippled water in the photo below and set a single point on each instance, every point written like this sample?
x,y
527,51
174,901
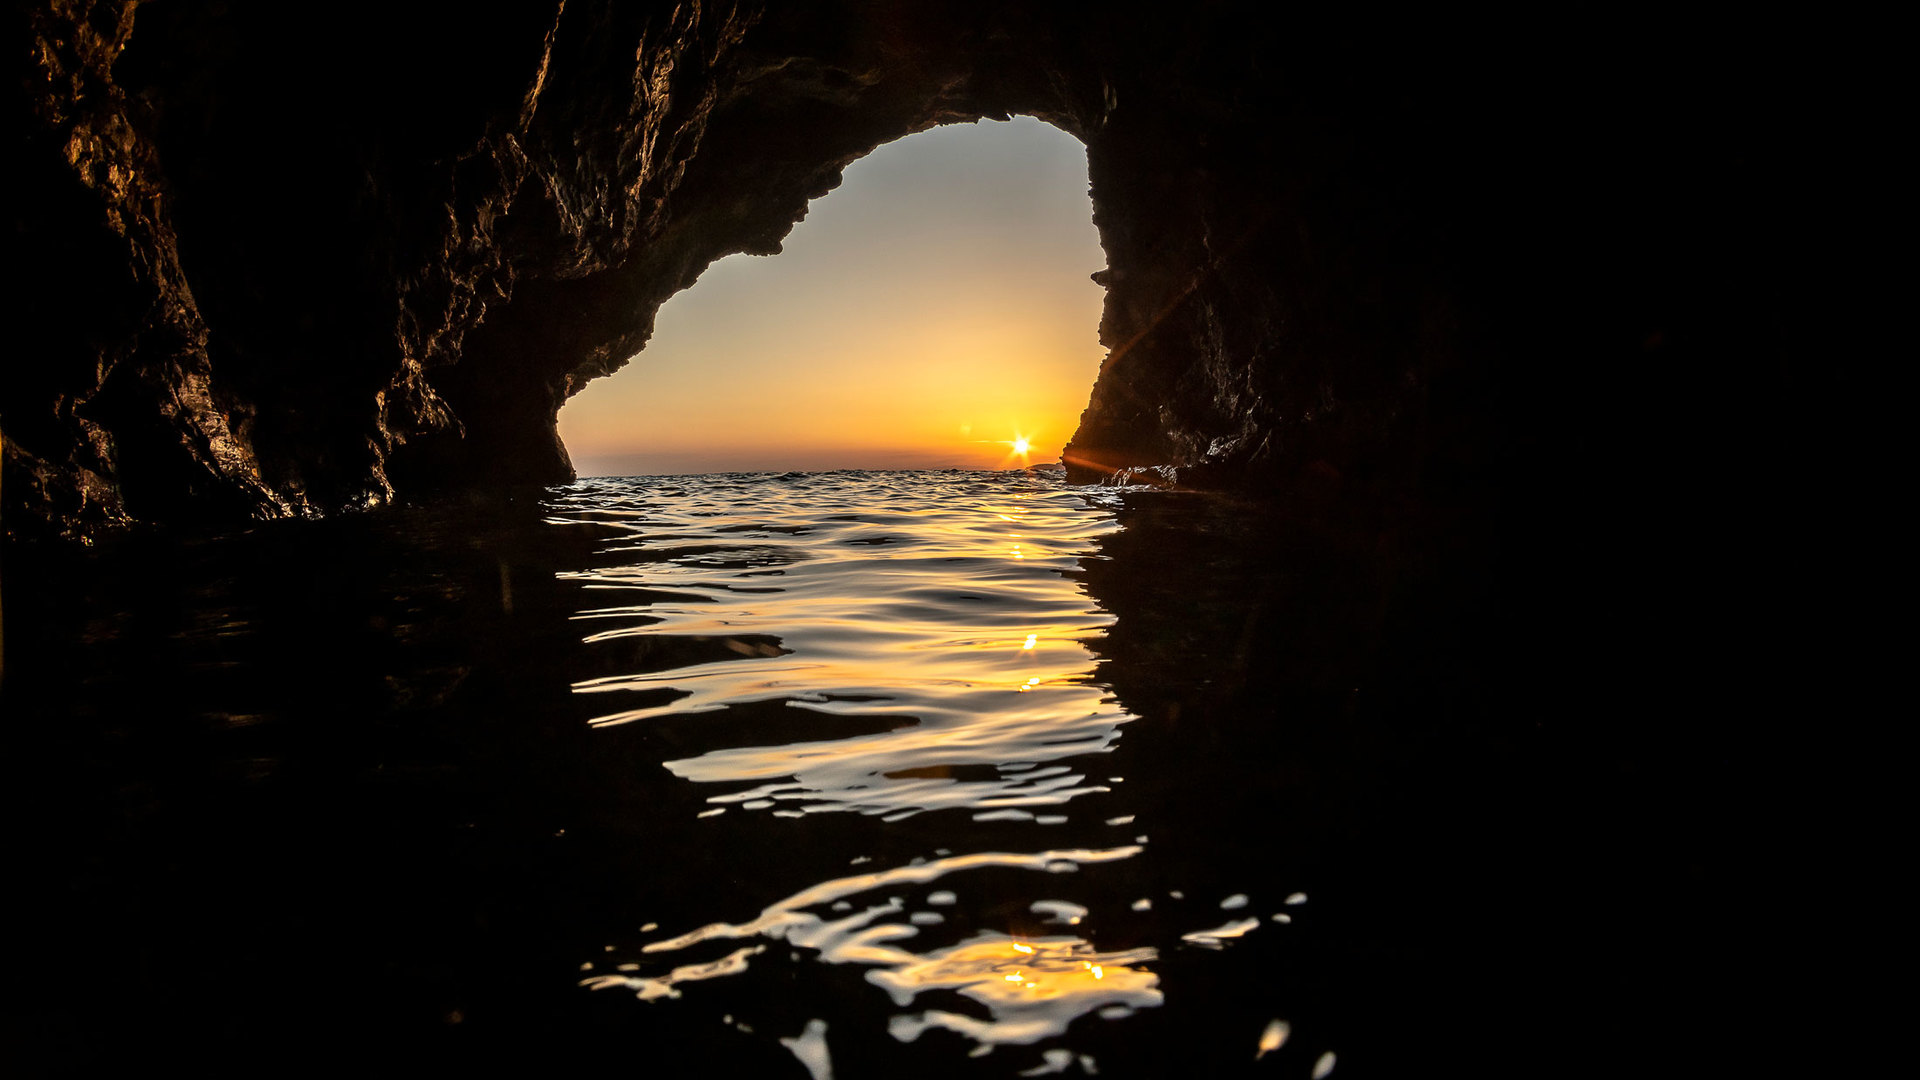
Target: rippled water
x,y
939,616
951,616
862,773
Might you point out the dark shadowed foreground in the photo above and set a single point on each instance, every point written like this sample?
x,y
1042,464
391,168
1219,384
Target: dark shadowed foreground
x,y
652,775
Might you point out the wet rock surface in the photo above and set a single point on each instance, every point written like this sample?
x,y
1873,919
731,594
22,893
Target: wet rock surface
x,y
277,261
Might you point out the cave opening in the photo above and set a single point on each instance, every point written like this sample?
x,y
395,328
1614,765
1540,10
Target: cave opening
x,y
930,312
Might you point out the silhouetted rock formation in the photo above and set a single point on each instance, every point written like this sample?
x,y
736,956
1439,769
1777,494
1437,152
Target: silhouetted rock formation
x,y
280,259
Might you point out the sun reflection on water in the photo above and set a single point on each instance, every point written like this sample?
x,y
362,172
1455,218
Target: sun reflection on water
x,y
920,615
930,638
1032,987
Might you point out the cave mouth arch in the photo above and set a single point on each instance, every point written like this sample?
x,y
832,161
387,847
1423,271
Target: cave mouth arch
x,y
934,307
1306,231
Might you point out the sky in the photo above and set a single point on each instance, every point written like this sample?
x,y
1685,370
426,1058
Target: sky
x,y
924,314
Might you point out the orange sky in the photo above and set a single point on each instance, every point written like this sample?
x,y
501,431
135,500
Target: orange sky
x,y
928,310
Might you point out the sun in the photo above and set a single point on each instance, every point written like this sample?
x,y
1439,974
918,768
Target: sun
x,y
1019,450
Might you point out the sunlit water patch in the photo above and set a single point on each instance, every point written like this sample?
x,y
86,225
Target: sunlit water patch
x,y
1032,987
941,604
941,618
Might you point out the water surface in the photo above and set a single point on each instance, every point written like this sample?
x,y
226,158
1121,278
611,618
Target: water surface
x,y
882,773
890,645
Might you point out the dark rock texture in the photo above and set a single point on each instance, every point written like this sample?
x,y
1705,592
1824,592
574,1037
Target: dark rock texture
x,y
276,259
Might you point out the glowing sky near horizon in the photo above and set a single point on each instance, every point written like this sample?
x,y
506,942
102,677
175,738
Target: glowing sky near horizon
x,y
925,314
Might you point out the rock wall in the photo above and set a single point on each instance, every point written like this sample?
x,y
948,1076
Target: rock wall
x,y
280,260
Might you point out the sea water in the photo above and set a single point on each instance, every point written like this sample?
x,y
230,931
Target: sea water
x,y
894,646
861,774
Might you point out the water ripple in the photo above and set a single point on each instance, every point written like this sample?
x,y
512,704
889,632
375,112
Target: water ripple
x,y
945,607
1033,987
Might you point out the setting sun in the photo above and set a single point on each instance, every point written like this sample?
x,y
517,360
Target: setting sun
x,y
1021,446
